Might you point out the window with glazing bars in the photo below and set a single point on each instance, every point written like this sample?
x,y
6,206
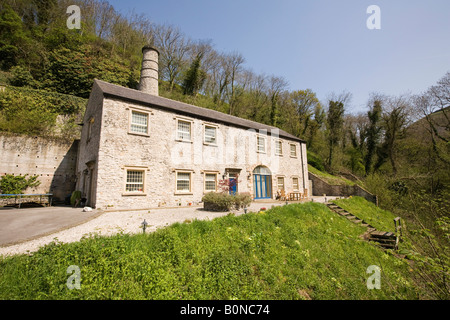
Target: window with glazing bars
x,y
295,183
210,134
293,150
261,144
278,148
280,183
183,181
135,181
210,182
139,122
184,130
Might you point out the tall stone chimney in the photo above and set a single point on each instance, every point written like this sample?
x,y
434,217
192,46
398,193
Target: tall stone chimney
x,y
149,72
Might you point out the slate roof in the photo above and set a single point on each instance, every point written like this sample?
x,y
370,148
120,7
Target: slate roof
x,y
132,95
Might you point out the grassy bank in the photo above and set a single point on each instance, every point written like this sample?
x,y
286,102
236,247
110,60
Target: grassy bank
x,y
300,251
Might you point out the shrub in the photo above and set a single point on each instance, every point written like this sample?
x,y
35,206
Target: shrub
x,y
217,201
11,184
242,200
223,201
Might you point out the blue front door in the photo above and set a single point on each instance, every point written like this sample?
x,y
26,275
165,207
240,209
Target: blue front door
x,y
262,186
233,186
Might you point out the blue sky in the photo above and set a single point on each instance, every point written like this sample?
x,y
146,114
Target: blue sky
x,y
323,45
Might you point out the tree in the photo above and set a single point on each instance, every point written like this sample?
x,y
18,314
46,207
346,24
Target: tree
x,y
372,134
233,63
13,38
195,77
435,106
394,121
304,103
316,124
276,86
334,123
173,47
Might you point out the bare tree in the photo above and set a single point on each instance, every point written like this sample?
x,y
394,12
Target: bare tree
x,y
434,106
174,48
233,63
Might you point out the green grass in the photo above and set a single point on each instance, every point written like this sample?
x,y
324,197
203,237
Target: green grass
x,y
382,220
330,179
292,252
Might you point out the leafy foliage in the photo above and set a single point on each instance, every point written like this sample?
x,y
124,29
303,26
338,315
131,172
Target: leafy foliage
x,y
34,112
11,184
223,201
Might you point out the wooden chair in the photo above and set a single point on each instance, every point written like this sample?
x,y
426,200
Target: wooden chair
x,y
283,195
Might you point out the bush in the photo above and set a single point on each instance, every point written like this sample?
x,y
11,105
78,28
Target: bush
x,y
242,200
11,184
223,201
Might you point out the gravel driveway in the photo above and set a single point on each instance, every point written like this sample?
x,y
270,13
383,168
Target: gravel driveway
x,y
110,223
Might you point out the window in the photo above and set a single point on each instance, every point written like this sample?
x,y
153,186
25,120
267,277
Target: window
x,y
261,144
183,182
293,150
210,182
139,122
295,183
278,148
135,181
280,182
210,134
184,130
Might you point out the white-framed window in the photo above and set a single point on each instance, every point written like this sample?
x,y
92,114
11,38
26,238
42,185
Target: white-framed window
x,y
280,183
295,183
260,144
135,181
293,150
139,122
183,182
184,130
210,134
210,182
278,147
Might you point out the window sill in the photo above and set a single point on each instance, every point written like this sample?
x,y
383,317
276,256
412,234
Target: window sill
x,y
263,152
139,134
279,154
183,193
210,144
185,141
294,157
132,194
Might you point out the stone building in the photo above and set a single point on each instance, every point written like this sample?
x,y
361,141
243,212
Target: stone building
x,y
139,150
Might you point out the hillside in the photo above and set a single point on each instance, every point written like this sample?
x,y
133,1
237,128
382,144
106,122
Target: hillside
x,y
301,251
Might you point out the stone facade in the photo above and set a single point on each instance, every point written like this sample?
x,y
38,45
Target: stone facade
x,y
53,160
109,149
138,150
